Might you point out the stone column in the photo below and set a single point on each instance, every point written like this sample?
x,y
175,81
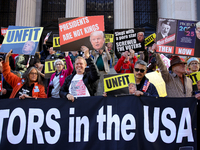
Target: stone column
x,y
123,14
25,13
75,8
177,9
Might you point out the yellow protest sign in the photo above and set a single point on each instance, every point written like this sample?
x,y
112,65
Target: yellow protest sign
x,y
150,39
195,76
119,81
109,38
49,67
56,41
156,79
23,35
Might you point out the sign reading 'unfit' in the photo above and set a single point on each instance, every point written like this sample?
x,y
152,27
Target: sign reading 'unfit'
x,y
98,123
22,40
179,37
75,32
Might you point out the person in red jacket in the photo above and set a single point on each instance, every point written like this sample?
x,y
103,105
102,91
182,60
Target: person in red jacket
x,y
126,63
58,78
30,86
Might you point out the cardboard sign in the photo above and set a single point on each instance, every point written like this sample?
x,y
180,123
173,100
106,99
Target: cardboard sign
x,y
75,32
117,84
150,39
56,42
165,60
126,39
49,67
195,76
3,30
156,79
22,40
178,37
109,38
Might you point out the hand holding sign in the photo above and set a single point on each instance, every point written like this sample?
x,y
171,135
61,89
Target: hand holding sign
x,y
8,55
66,54
85,50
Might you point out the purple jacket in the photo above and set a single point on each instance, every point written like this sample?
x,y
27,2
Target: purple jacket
x,y
63,74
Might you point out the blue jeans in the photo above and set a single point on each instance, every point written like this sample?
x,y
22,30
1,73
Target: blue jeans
x,y
110,63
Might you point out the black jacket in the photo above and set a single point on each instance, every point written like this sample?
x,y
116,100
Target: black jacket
x,y
89,79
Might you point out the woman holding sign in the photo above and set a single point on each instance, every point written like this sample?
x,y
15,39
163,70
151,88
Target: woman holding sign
x,y
58,78
30,86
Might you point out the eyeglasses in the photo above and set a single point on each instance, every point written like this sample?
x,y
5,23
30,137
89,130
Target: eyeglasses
x,y
141,70
58,64
33,73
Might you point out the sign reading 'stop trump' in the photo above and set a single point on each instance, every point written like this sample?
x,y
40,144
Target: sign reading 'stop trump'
x,y
75,32
178,37
22,40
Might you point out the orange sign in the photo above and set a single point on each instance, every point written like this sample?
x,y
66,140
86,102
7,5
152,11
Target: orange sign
x,y
79,28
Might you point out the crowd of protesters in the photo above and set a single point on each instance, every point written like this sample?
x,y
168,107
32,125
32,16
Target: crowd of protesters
x,y
24,75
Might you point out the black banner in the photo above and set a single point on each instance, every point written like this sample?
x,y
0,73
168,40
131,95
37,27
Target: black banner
x,y
99,123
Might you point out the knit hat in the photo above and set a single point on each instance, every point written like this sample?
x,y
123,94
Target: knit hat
x,y
192,59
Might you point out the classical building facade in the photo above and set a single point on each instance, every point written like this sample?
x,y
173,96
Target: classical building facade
x,y
117,13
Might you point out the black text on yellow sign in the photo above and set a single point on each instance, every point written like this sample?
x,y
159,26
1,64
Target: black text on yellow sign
x,y
109,38
50,68
56,41
195,77
23,35
116,82
150,39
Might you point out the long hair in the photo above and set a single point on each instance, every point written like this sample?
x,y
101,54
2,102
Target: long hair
x,y
26,76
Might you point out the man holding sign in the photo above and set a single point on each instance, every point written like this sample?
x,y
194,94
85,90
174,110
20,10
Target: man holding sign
x,y
80,83
144,87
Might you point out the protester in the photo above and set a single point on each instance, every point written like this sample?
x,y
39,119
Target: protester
x,y
30,86
21,64
124,65
177,84
6,89
80,83
111,51
100,57
57,79
193,65
144,87
52,54
45,52
40,67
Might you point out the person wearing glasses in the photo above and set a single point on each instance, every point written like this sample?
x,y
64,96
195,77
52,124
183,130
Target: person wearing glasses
x,y
29,86
144,87
193,66
58,78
